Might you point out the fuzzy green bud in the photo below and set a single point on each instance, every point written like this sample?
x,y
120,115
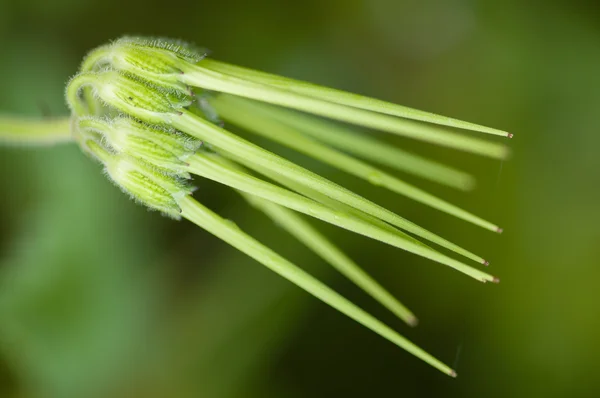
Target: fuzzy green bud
x,y
148,185
133,97
165,148
156,61
158,56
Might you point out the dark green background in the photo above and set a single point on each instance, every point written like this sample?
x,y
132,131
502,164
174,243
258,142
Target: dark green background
x,y
100,298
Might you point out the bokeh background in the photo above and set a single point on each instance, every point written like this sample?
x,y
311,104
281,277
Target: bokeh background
x,y
100,298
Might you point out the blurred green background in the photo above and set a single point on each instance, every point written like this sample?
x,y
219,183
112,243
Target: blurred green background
x,y
100,298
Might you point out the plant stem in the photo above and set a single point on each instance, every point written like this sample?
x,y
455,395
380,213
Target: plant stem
x,y
22,131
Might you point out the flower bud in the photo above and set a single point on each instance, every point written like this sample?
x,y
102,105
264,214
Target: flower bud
x,y
148,185
156,61
131,96
166,149
157,55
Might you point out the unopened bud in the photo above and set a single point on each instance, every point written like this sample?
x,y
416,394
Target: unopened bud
x,y
164,148
156,61
133,97
147,185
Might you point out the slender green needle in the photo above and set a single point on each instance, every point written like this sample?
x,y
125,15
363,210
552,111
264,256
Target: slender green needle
x,y
223,229
245,114
198,76
319,197
205,165
337,206
318,243
255,156
22,131
369,148
343,97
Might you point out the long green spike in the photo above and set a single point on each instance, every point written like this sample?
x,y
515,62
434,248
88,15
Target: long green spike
x,y
245,114
223,229
198,76
323,247
345,98
369,148
337,206
256,156
318,243
319,197
204,165
22,131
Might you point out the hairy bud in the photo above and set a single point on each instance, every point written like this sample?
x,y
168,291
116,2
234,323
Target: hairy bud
x,y
147,184
165,148
157,61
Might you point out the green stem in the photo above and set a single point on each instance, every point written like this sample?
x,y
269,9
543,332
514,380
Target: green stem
x,y
343,97
92,60
80,81
224,230
22,131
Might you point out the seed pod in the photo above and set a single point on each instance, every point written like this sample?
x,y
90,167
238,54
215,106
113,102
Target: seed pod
x,y
155,61
148,185
163,148
178,143
181,49
133,97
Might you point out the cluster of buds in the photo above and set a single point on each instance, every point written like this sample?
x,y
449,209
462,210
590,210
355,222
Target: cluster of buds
x,y
123,100
134,110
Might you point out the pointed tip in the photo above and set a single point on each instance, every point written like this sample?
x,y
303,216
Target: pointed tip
x,y
412,321
452,373
499,230
510,135
496,280
486,263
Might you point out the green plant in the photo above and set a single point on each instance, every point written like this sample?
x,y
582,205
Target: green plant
x,y
150,111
